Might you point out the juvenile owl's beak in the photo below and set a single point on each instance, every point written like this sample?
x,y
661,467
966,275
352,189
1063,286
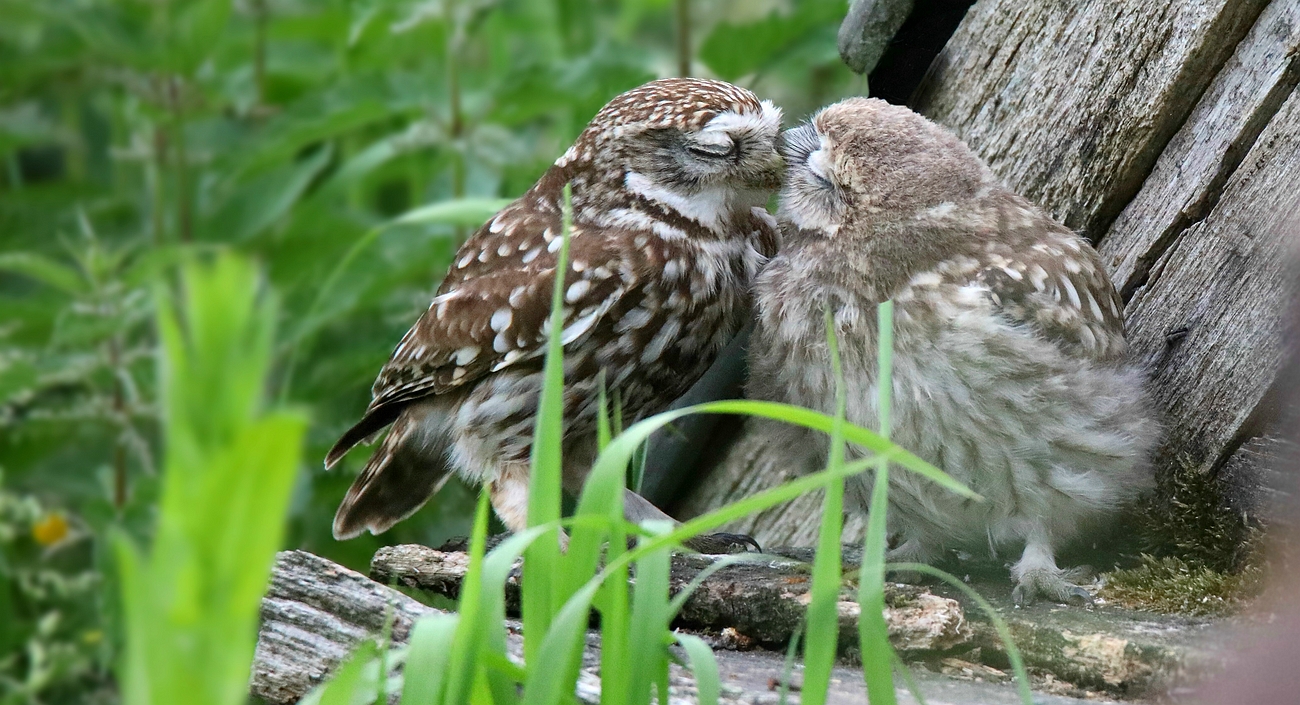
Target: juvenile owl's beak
x,y
771,173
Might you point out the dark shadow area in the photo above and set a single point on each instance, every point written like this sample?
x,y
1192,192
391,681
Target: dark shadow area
x,y
918,41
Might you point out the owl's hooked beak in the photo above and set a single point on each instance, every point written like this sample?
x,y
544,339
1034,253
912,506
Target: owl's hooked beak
x,y
771,174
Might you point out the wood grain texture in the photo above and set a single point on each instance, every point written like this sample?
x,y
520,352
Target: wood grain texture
x,y
1207,322
1072,102
1188,179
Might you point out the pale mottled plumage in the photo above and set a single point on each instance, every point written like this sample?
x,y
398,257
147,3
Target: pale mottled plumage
x,y
1008,342
668,185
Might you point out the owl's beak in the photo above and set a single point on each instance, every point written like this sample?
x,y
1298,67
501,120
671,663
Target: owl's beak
x,y
769,175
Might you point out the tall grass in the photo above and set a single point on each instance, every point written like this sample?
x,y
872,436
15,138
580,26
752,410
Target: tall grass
x,y
191,602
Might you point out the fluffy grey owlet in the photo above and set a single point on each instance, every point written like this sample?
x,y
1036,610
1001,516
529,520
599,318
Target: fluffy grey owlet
x,y
669,183
1008,339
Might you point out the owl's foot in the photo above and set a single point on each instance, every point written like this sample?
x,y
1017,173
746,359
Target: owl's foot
x,y
1036,575
1051,585
722,543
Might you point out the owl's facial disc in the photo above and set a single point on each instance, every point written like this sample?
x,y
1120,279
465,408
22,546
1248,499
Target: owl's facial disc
x,y
726,165
812,199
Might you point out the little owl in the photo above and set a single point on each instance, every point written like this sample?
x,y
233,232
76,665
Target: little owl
x,y
669,184
1008,339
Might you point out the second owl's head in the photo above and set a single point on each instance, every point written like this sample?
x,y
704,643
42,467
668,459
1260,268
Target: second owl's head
x,y
863,159
679,137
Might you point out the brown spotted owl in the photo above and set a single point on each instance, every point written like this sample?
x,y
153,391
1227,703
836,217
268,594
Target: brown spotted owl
x,y
1009,365
669,184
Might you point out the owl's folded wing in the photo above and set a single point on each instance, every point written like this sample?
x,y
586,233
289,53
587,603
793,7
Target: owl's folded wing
x,y
1058,288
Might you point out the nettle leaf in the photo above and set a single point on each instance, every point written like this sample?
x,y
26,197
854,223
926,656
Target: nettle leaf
x,y
17,378
45,270
319,117
264,199
736,50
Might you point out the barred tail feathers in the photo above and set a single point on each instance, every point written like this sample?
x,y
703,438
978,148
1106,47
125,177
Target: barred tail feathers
x,y
404,472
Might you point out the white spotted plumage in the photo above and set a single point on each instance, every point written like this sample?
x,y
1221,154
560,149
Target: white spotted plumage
x,y
660,238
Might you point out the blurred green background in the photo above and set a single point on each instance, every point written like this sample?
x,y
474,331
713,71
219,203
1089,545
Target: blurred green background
x,y
135,133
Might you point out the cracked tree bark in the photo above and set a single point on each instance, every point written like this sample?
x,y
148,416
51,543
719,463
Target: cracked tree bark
x,y
1167,133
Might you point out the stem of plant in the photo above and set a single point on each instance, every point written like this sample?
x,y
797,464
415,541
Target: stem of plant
x,y
683,37
182,160
259,49
456,120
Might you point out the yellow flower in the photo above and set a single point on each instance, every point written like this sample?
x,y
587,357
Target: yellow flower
x,y
50,529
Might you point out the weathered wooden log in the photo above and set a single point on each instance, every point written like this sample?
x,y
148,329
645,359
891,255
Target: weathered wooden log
x,y
760,599
316,612
1164,132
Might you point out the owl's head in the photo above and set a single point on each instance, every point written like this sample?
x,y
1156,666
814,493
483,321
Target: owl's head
x,y
678,138
863,160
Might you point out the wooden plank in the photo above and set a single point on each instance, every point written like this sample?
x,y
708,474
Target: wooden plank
x,y
1072,102
1207,321
1189,177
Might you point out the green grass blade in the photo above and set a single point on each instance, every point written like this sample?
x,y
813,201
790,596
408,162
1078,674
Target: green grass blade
x,y
615,626
787,669
468,639
541,595
623,446
999,624
549,682
906,674
873,633
346,682
503,682
385,653
426,659
650,618
823,609
708,684
603,434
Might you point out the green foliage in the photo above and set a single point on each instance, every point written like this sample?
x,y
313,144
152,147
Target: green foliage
x,y
191,604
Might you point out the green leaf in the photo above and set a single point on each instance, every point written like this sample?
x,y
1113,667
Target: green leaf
x,y
192,604
426,658
348,681
708,684
736,50
873,632
45,270
822,618
542,587
471,212
264,199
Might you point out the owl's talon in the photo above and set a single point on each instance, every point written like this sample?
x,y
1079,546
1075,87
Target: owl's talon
x,y
722,543
1051,585
1021,597
1076,593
